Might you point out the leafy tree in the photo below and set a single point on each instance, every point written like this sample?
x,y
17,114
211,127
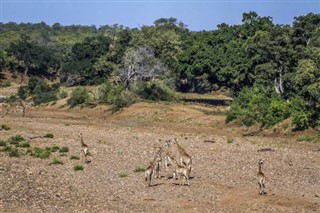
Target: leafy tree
x,y
84,65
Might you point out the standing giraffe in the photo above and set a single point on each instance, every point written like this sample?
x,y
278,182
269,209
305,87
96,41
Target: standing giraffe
x,y
84,148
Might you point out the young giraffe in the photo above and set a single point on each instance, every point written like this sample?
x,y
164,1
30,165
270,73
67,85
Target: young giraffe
x,y
180,171
159,160
84,148
261,178
185,159
152,169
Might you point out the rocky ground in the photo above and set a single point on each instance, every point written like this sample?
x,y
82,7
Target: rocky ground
x,y
223,179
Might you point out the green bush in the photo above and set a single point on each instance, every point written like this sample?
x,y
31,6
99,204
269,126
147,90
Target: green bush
x,y
300,114
74,157
64,149
2,143
78,168
25,145
38,152
5,83
63,94
154,91
48,135
4,127
23,92
15,139
139,169
56,162
125,99
55,148
278,111
14,152
78,96
123,174
41,91
249,107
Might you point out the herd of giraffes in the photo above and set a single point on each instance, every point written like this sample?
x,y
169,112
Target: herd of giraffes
x,y
182,165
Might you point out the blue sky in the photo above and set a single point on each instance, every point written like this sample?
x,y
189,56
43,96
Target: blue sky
x,y
197,15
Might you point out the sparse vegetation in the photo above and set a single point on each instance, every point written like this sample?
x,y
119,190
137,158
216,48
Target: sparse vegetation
x,y
14,152
230,140
122,175
48,135
139,169
38,152
56,162
73,157
64,149
78,168
4,127
3,143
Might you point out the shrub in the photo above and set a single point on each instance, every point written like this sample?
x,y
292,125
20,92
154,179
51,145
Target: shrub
x,y
78,96
63,94
300,114
249,107
48,135
40,153
23,92
15,139
122,174
14,152
5,83
54,148
277,111
78,168
125,99
154,91
2,143
56,162
139,169
64,149
4,127
25,145
74,157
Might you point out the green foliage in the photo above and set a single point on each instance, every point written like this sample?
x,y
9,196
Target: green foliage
x,y
2,143
249,108
38,152
154,91
122,175
23,92
48,135
55,148
73,157
230,140
63,94
124,99
5,83
56,162
14,152
25,145
16,139
78,168
139,169
278,110
78,96
41,91
4,127
64,149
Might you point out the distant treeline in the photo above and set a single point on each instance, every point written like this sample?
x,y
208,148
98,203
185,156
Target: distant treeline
x,y
272,70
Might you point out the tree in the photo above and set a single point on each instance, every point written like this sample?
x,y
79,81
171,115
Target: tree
x,y
85,65
33,58
141,64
